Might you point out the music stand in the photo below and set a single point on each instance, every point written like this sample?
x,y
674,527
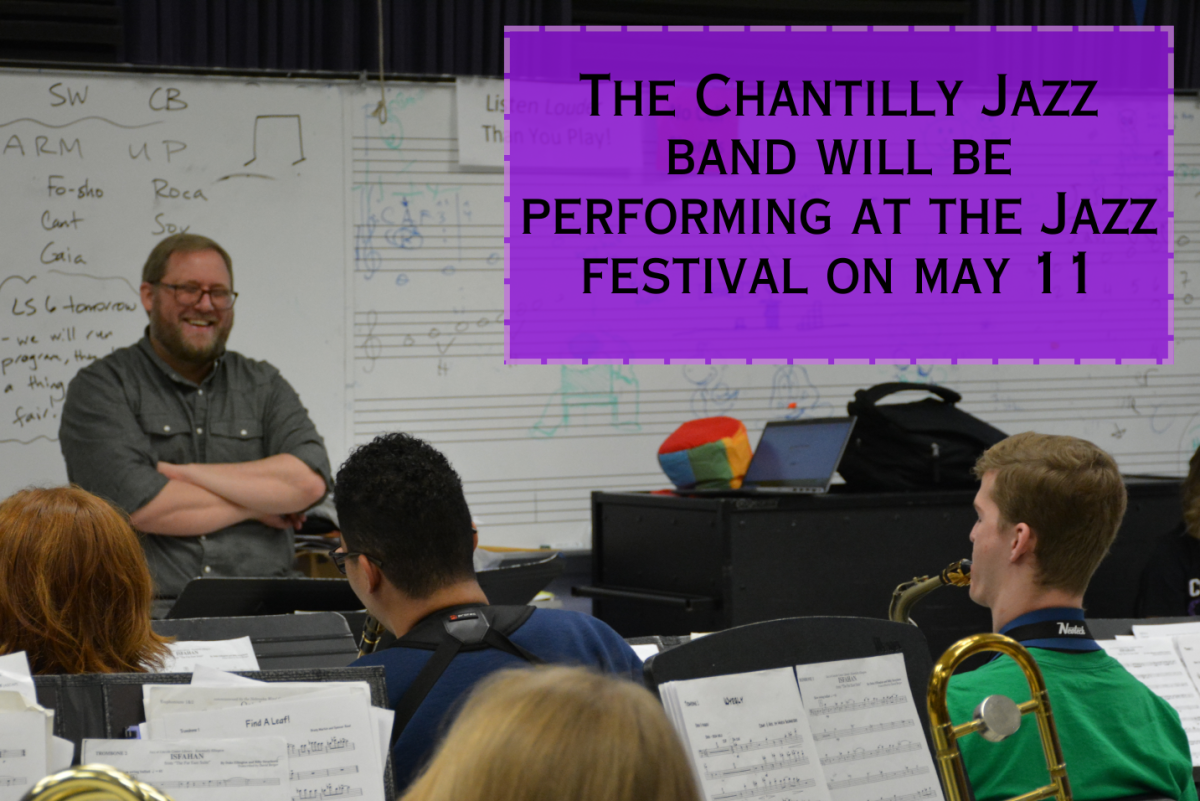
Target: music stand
x,y
239,597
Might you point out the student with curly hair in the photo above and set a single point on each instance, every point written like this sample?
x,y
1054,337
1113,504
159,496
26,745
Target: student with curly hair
x,y
74,587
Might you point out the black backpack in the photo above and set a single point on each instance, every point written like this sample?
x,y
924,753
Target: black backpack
x,y
924,445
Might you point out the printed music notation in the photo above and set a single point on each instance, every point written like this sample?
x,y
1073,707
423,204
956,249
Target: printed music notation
x,y
872,778
767,788
758,745
11,753
13,781
331,746
328,791
902,747
301,775
853,731
205,784
796,760
858,706
926,792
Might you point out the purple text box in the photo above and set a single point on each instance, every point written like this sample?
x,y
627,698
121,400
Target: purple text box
x,y
626,233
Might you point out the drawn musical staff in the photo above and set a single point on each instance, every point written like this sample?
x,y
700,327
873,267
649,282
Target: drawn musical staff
x,y
13,781
858,706
11,753
300,775
781,786
312,747
901,747
757,745
798,759
834,734
872,778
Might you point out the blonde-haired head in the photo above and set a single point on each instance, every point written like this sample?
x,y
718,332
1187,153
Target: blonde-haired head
x,y
555,733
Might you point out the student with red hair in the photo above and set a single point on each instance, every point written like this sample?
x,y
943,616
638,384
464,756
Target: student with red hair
x,y
75,591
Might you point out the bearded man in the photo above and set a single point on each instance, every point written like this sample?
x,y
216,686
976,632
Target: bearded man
x,y
210,453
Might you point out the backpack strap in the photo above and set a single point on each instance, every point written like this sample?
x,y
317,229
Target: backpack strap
x,y
461,628
880,391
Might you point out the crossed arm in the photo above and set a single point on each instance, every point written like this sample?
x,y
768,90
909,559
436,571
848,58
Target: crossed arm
x,y
202,498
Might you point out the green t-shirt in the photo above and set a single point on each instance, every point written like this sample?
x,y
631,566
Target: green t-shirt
x,y
1118,738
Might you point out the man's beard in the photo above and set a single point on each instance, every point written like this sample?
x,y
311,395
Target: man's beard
x,y
171,338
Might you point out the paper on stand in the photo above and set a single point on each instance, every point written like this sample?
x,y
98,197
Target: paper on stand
x,y
1166,629
224,654
165,699
15,675
1155,663
332,743
747,736
24,745
866,728
235,769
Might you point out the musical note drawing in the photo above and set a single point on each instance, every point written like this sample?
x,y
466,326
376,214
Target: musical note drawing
x,y
768,788
852,731
313,747
756,745
904,746
13,781
797,759
204,784
872,778
300,775
328,791
858,706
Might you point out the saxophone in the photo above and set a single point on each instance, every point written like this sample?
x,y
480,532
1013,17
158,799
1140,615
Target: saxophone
x,y
372,632
907,594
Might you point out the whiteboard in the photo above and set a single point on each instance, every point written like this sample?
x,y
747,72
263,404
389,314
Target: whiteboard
x,y
371,274
532,441
96,168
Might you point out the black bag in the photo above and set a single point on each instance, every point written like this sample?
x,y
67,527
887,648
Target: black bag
x,y
924,445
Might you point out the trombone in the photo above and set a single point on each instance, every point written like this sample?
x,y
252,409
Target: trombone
x,y
997,717
92,783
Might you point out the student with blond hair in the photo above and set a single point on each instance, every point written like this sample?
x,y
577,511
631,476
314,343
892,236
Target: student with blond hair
x,y
555,733
1048,509
75,591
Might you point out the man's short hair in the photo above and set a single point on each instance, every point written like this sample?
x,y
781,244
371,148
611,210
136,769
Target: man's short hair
x,y
399,501
156,263
1068,491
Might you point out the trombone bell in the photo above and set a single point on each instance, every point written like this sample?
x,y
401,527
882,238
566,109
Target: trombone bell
x,y
994,718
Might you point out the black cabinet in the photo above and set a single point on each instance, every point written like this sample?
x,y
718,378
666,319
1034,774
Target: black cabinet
x,y
664,564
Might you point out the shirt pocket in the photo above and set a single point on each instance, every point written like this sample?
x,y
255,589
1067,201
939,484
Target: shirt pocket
x,y
170,437
236,441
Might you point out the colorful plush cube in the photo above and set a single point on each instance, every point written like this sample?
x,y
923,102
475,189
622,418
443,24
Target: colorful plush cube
x,y
709,453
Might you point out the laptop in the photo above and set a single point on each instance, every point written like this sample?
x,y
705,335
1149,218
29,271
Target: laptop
x,y
793,456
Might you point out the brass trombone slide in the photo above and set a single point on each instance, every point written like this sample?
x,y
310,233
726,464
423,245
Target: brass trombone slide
x,y
996,718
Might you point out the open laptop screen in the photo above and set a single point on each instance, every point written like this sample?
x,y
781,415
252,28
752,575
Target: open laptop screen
x,y
799,453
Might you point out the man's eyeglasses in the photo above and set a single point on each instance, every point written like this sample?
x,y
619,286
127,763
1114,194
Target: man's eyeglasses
x,y
190,294
339,557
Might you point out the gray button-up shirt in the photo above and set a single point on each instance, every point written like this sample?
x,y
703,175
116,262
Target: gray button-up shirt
x,y
128,411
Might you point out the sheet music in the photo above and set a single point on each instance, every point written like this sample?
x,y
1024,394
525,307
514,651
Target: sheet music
x,y
15,675
237,654
164,699
23,750
1155,662
332,745
238,769
1166,630
748,737
867,731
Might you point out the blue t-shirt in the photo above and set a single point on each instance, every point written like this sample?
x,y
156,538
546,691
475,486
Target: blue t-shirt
x,y
554,635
